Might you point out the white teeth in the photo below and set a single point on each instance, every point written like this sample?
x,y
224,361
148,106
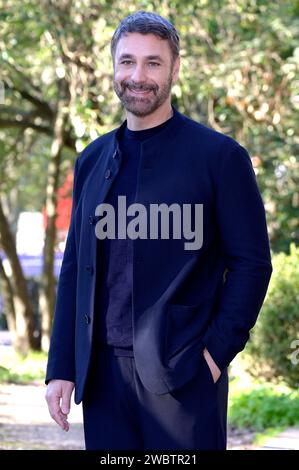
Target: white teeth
x,y
139,91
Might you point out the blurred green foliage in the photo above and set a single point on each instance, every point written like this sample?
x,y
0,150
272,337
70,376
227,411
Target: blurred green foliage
x,y
16,369
273,350
239,75
263,408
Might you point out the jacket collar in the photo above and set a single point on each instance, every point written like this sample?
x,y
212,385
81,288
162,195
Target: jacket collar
x,y
177,121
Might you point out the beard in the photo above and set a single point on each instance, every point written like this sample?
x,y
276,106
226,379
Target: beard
x,y
142,106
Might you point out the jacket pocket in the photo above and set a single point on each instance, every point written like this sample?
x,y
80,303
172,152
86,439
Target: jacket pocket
x,y
184,327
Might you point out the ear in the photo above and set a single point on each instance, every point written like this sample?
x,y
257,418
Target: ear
x,y
176,69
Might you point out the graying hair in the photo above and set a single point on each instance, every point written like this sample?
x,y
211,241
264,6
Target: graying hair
x,y
145,22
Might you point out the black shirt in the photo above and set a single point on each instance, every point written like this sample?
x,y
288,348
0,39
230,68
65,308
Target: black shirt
x,y
113,300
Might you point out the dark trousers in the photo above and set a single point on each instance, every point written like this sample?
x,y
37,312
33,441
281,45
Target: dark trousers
x,y
120,414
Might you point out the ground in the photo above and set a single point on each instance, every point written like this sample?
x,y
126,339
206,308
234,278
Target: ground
x,y
25,423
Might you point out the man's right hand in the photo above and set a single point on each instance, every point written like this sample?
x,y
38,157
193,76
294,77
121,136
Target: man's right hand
x,y
58,397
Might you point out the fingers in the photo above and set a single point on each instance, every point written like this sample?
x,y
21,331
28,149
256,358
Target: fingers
x,y
56,413
66,401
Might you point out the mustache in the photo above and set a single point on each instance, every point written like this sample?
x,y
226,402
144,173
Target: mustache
x,y
139,87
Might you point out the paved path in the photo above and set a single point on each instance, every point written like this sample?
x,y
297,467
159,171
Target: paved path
x,y
287,440
25,424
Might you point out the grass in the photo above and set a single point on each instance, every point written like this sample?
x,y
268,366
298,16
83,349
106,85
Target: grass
x,y
261,438
16,369
265,408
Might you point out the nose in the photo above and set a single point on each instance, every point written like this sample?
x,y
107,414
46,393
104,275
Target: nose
x,y
138,74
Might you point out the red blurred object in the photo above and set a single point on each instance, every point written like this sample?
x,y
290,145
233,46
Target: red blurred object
x,y
64,207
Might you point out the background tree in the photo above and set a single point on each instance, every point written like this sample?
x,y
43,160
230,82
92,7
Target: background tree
x,y
239,75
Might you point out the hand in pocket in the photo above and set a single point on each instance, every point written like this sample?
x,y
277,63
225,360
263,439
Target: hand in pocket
x,y
214,369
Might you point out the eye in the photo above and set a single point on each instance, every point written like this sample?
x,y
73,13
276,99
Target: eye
x,y
127,62
154,64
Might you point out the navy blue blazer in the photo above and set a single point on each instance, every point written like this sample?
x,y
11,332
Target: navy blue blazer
x,y
183,300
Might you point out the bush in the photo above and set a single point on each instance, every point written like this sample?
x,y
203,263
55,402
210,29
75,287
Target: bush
x,y
17,369
273,350
264,408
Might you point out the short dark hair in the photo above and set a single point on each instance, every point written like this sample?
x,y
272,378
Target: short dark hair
x,y
145,22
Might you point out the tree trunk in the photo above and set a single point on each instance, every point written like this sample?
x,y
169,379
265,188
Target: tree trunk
x,y
48,291
8,298
24,322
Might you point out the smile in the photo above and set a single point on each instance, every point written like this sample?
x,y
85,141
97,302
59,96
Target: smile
x,y
140,92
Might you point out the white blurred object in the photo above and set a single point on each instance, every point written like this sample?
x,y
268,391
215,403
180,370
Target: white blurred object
x,y
30,233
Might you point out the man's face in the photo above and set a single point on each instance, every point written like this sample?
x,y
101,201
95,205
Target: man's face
x,y
143,72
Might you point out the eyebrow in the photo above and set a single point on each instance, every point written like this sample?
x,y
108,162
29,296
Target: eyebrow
x,y
149,57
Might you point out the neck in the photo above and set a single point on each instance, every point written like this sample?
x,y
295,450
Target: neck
x,y
160,115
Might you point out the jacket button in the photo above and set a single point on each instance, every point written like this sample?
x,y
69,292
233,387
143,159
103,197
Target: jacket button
x,y
89,269
107,174
87,319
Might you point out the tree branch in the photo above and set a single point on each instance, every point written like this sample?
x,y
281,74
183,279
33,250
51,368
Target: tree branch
x,y
68,140
43,107
23,123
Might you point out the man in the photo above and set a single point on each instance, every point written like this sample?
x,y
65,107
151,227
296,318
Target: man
x,y
146,324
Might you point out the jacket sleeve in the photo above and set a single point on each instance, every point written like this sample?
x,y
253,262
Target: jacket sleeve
x,y
245,245
61,358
